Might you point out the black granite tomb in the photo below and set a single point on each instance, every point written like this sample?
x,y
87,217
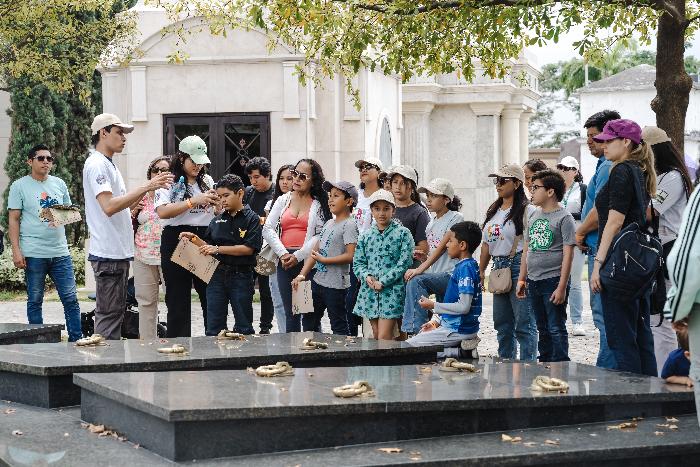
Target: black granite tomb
x,y
20,333
42,374
199,415
37,436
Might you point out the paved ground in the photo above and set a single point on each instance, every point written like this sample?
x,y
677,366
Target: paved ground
x,y
581,349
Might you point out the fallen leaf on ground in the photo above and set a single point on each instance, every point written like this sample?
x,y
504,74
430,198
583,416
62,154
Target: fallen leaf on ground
x,y
593,434
426,369
673,427
672,419
9,411
66,435
530,444
551,442
84,425
17,433
659,433
663,425
390,450
506,438
417,382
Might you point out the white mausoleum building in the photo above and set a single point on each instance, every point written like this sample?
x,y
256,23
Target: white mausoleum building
x,y
245,101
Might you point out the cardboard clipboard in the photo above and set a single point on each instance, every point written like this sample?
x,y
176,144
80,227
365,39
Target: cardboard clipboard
x,y
188,256
301,299
60,214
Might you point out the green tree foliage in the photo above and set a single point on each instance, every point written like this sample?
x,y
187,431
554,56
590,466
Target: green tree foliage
x,y
59,43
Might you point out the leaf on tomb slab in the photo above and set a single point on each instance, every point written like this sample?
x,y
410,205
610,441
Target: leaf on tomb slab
x,y
417,382
663,425
505,437
390,450
510,439
426,369
17,433
84,425
672,419
623,426
530,444
673,427
9,411
659,433
96,428
551,442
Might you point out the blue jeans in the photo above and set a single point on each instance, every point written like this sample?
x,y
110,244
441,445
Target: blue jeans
x,y
575,290
553,341
512,317
413,315
60,270
235,285
606,359
333,300
350,300
629,333
294,322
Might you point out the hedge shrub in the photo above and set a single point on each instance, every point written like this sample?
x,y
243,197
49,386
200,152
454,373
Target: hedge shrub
x,y
12,278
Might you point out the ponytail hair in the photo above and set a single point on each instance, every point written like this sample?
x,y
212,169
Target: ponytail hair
x,y
455,204
578,178
643,155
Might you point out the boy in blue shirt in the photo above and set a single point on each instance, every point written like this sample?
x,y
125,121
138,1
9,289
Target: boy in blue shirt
x,y
456,320
677,367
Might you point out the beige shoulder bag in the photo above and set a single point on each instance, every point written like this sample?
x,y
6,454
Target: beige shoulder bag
x,y
500,280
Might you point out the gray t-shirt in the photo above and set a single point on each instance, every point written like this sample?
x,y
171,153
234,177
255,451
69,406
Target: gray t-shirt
x,y
669,202
435,232
546,235
331,242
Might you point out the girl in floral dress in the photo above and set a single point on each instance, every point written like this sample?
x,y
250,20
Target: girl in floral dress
x,y
383,254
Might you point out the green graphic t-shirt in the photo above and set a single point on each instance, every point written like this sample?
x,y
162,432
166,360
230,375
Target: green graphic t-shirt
x,y
546,235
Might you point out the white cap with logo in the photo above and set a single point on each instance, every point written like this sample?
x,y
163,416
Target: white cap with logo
x,y
382,195
570,162
406,171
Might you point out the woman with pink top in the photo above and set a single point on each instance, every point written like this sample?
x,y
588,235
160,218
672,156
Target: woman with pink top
x,y
147,272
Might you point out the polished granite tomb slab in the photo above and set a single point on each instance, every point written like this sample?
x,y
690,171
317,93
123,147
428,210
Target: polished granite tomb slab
x,y
56,438
199,415
20,333
42,374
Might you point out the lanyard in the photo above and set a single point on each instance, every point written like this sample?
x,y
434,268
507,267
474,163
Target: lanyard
x,y
568,193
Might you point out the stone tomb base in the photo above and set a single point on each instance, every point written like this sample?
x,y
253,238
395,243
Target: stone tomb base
x,y
199,415
20,333
42,374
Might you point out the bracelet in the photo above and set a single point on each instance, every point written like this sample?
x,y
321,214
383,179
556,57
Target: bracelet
x,y
303,277
217,249
189,203
597,260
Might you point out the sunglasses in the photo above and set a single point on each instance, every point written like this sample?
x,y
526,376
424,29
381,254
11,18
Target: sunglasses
x,y
367,167
44,158
156,170
501,180
564,168
300,175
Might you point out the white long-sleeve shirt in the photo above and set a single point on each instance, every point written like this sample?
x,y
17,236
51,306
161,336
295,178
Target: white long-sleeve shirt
x,y
271,232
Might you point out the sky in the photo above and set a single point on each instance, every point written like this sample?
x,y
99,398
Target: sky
x,y
564,49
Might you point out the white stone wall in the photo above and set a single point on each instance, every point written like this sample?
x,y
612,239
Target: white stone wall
x,y
5,127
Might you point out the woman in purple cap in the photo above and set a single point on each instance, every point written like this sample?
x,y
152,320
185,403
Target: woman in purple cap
x,y
626,319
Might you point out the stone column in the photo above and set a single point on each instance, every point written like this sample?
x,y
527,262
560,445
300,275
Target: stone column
x,y
487,158
416,137
525,135
510,134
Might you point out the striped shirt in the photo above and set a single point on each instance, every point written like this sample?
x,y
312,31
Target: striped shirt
x,y
684,264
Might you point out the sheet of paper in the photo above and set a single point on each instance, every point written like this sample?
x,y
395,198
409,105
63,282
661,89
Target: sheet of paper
x,y
61,215
301,299
188,256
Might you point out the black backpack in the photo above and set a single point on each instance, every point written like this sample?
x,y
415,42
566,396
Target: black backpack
x,y
634,258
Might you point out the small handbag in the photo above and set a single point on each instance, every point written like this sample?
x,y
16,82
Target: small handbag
x,y
267,258
500,280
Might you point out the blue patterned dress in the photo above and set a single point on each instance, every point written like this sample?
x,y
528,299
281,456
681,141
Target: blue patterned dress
x,y
386,256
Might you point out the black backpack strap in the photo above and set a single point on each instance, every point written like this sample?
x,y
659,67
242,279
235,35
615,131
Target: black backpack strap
x,y
639,194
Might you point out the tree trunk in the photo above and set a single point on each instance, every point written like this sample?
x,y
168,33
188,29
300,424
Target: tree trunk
x,y
672,83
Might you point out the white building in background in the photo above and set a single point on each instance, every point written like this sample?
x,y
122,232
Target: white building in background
x,y
630,92
245,101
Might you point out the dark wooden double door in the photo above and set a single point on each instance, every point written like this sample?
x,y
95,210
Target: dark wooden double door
x,y
232,138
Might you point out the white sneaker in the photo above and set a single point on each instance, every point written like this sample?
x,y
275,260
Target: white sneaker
x,y
578,330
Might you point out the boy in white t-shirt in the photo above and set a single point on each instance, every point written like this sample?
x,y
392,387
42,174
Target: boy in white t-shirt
x,y
109,223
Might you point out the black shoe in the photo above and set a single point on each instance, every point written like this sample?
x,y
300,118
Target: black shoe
x,y
470,354
264,331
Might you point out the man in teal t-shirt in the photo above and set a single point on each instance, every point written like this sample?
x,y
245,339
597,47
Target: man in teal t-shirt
x,y
39,247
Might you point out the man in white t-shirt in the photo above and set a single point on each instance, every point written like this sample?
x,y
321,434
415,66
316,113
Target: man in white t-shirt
x,y
109,223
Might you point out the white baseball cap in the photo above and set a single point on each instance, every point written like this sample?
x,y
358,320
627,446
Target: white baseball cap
x,y
370,160
382,195
439,186
105,120
406,171
569,161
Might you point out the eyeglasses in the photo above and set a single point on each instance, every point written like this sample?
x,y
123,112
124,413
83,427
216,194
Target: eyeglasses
x,y
156,170
534,187
367,167
498,181
300,175
42,158
564,168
